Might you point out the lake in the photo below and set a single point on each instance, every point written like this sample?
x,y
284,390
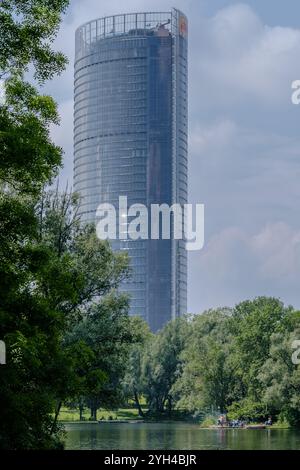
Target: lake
x,y
174,435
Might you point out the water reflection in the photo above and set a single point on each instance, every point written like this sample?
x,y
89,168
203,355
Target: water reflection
x,y
170,436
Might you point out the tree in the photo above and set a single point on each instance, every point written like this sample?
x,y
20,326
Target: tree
x,y
280,377
255,326
93,269
106,329
27,29
162,365
207,378
253,323
70,294
29,324
96,314
133,386
51,270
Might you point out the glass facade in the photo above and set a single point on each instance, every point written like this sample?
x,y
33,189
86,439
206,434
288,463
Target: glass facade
x,y
130,139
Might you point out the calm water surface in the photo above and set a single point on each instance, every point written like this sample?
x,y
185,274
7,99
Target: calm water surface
x,y
181,436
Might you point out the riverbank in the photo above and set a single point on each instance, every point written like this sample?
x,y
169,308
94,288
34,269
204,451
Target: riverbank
x,y
131,416
210,423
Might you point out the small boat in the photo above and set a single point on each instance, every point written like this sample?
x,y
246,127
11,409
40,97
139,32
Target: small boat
x,y
256,426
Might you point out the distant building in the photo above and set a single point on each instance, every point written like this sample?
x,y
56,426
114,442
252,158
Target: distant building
x,y
130,139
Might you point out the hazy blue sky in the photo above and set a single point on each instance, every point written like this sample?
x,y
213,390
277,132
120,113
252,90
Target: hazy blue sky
x,y
244,140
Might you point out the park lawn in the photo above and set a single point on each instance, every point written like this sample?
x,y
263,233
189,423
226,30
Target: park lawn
x,y
67,414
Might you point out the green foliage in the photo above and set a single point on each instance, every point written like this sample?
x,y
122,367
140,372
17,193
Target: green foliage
x,y
207,381
248,410
65,326
252,325
28,158
105,329
90,266
133,382
27,29
29,323
97,314
55,275
155,369
208,422
281,378
235,361
240,362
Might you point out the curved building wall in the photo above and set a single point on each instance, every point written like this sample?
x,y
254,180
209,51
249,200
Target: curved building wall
x,y
130,139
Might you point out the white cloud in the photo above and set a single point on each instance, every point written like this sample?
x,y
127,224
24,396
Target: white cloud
x,y
240,59
62,135
278,247
260,161
236,265
215,136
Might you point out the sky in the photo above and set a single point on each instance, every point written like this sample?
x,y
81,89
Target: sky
x,y
244,140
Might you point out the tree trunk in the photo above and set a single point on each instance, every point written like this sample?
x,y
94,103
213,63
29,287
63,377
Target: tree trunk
x,y
159,405
94,410
81,408
59,405
169,404
137,402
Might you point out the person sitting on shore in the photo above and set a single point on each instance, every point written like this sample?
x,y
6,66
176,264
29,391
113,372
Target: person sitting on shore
x,y
269,421
222,421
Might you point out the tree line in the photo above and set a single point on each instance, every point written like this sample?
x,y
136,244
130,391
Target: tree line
x,y
228,360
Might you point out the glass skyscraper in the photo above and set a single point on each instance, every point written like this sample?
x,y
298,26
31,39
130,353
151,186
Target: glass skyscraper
x,y
130,139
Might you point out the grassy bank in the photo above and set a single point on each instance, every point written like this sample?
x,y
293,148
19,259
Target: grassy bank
x,y
67,414
72,415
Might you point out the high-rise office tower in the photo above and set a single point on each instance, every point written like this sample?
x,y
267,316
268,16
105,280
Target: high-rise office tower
x,y
130,139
